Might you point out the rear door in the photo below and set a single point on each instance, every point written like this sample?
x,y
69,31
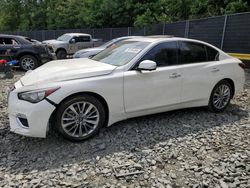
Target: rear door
x,y
199,68
149,90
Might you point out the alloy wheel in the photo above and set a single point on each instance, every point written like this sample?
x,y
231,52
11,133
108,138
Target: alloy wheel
x,y
221,96
80,119
28,63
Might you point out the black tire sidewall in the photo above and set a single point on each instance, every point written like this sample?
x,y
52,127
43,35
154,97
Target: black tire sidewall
x,y
28,56
61,108
61,54
211,104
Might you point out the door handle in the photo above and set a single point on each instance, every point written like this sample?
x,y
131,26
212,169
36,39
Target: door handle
x,y
215,70
174,75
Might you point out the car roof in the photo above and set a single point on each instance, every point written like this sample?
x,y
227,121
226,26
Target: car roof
x,y
159,38
166,38
125,37
13,36
77,34
146,39
19,38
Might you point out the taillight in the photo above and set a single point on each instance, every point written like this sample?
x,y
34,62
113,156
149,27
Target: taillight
x,y
242,65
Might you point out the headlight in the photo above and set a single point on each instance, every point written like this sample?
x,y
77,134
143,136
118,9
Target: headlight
x,y
37,95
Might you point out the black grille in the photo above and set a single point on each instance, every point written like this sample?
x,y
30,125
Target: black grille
x,y
24,122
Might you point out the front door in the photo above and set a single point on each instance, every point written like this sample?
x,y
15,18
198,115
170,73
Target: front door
x,y
147,90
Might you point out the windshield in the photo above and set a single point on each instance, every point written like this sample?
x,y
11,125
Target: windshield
x,y
109,43
121,53
64,37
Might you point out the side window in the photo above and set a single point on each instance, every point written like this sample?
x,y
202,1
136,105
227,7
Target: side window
x,y
83,39
212,54
76,39
191,52
163,54
1,41
86,38
8,41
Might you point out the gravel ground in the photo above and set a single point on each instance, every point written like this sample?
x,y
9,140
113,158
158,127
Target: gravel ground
x,y
184,148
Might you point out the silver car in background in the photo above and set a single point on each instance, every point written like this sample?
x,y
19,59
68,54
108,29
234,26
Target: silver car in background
x,y
90,52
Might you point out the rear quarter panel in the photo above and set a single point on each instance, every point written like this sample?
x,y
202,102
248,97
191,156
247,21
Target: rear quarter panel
x,y
230,69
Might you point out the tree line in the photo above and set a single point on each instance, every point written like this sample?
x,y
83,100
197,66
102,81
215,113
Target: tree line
x,y
26,15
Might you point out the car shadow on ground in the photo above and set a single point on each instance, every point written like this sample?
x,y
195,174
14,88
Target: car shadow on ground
x,y
26,154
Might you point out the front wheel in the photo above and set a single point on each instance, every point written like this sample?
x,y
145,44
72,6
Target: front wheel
x,y
80,117
28,62
220,96
61,54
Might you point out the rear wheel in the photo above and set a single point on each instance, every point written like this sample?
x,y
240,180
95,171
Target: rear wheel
x,y
28,62
220,96
61,54
80,117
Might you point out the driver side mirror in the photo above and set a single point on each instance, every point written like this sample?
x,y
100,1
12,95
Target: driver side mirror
x,y
72,41
147,65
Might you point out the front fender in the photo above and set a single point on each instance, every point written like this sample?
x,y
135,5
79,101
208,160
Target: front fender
x,y
109,87
57,47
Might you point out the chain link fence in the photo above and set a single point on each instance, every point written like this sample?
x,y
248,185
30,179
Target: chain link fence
x,y
230,32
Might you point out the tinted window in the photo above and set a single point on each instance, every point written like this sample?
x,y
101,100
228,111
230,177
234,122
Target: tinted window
x,y
191,52
8,41
212,54
82,39
164,54
1,41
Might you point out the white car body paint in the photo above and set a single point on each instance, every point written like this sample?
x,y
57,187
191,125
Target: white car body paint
x,y
128,93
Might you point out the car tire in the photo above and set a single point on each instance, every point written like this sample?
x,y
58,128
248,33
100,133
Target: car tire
x,y
61,54
220,96
80,117
28,62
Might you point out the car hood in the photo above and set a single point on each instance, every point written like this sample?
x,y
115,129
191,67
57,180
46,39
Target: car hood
x,y
54,42
62,70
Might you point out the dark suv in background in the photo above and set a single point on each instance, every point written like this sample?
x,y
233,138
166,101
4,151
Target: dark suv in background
x,y
29,53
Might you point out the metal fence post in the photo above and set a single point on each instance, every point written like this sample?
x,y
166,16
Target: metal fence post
x,y
111,33
163,29
43,35
93,31
186,29
144,31
223,33
128,31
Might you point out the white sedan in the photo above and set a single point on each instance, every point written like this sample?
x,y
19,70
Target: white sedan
x,y
137,77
